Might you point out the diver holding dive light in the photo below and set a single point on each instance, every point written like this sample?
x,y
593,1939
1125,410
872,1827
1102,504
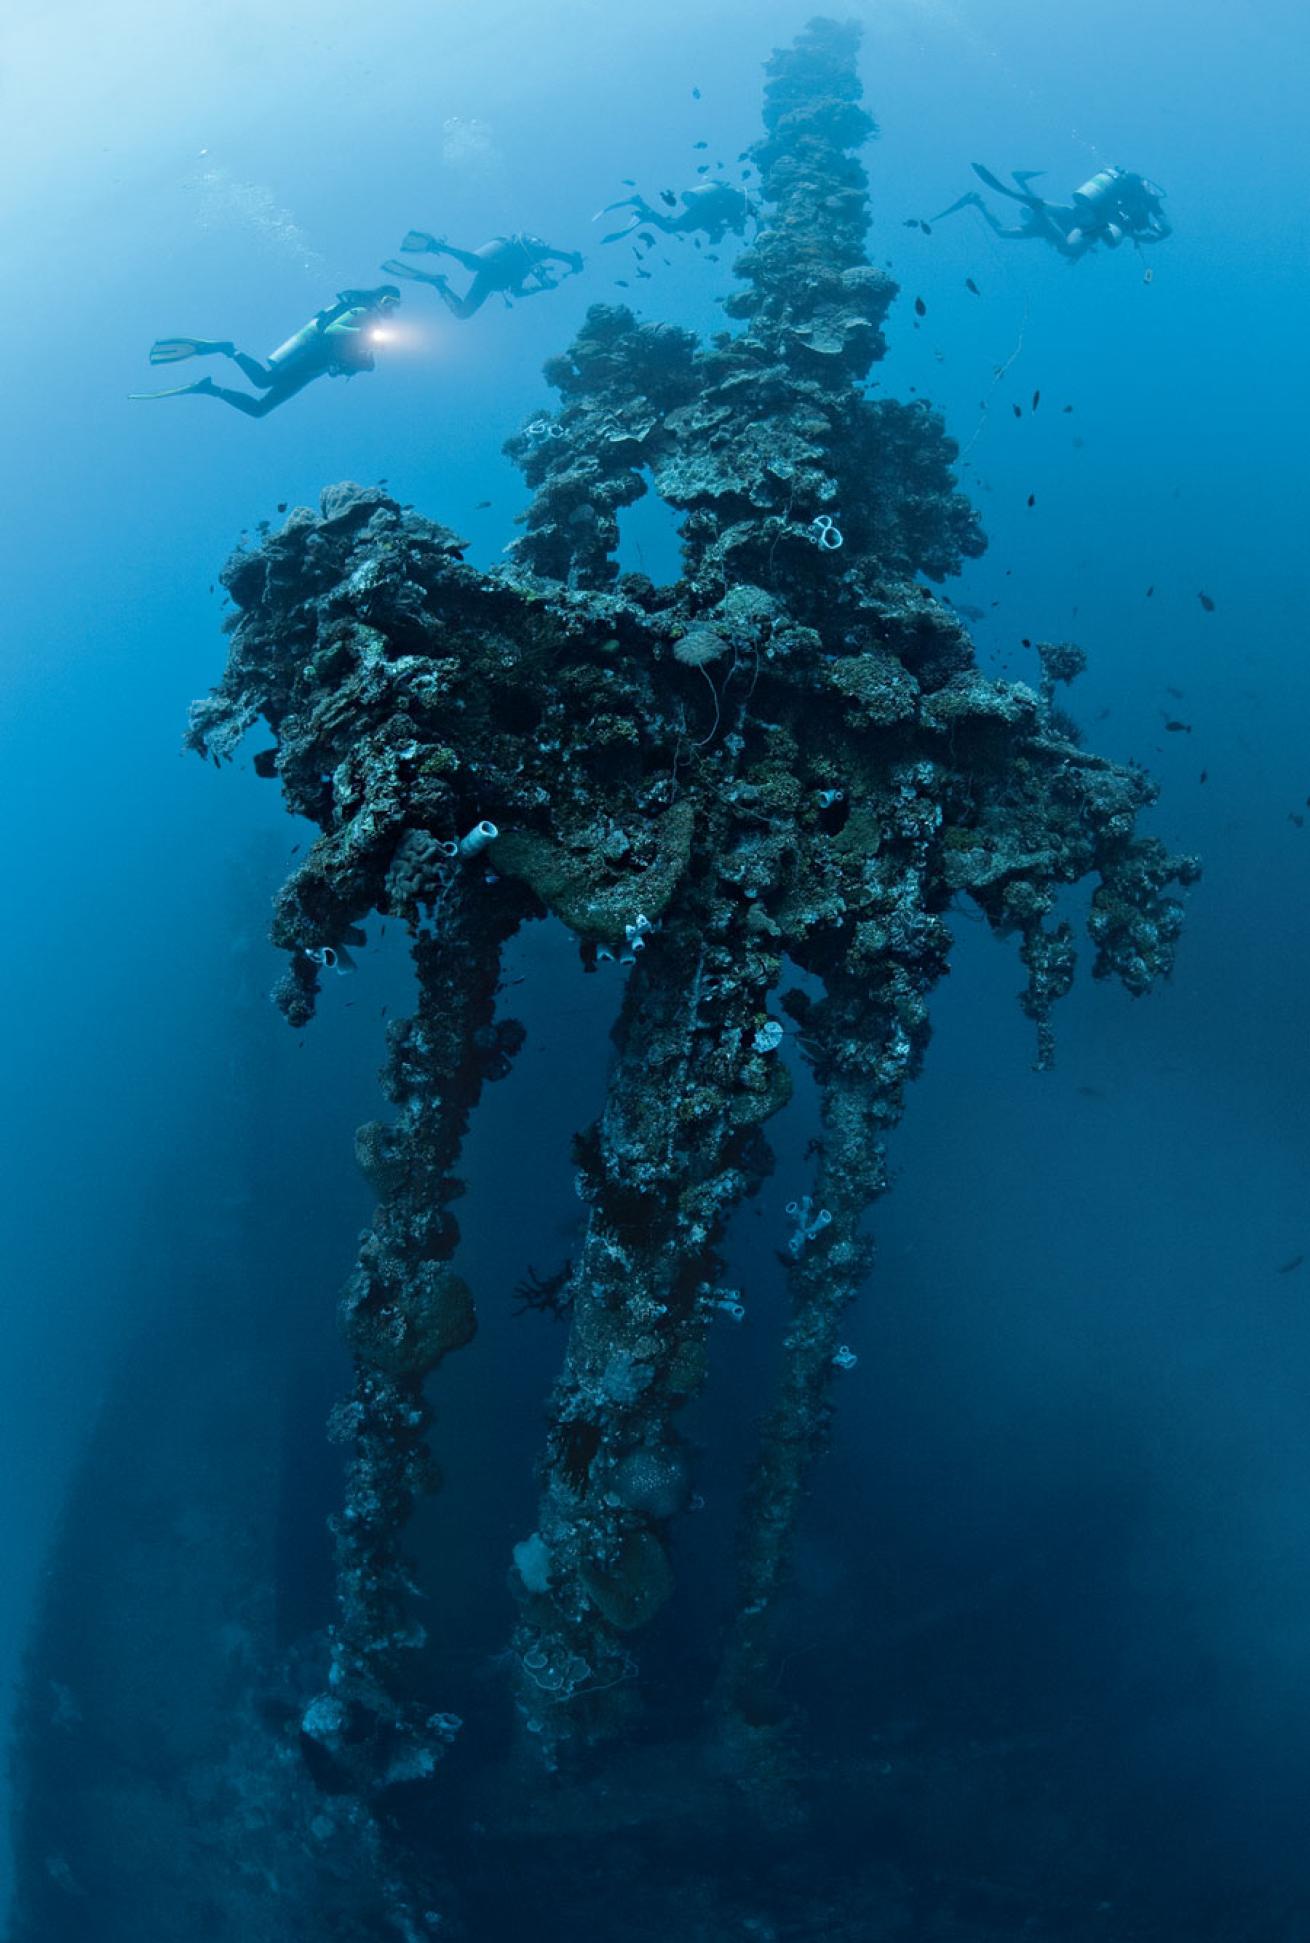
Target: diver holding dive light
x,y
335,343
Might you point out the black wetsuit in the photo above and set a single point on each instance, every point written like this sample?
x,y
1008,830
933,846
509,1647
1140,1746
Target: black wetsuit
x,y
1128,209
336,349
508,265
712,207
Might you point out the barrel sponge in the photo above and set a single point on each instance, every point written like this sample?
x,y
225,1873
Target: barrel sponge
x,y
653,1482
405,1332
382,1156
629,1592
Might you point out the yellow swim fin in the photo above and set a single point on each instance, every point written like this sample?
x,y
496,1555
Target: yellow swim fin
x,y
172,350
175,391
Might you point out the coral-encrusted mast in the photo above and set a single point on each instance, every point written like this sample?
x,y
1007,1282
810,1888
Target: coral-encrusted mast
x,y
788,754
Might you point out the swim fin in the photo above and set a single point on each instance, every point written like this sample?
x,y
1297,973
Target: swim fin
x,y
176,391
418,239
395,268
993,182
172,350
970,196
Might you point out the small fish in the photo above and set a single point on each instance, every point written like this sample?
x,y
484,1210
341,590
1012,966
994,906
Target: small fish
x,y
1018,411
1203,775
711,257
702,168
622,282
667,195
695,94
645,274
925,227
1206,603
1066,408
1025,643
1177,693
920,307
1177,728
1037,399
911,222
1285,1268
969,284
1148,276
700,144
282,505
294,848
1294,816
383,1013
1032,499
482,506
1150,590
970,612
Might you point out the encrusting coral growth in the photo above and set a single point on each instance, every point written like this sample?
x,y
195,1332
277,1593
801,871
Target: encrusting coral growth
x,y
788,755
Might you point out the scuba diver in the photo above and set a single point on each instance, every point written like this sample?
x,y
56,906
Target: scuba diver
x,y
1112,206
335,343
714,207
513,265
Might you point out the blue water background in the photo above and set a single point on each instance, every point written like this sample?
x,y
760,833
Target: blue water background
x,y
1080,1368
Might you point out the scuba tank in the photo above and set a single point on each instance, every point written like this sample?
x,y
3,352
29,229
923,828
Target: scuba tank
x,y
288,355
296,348
1099,195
